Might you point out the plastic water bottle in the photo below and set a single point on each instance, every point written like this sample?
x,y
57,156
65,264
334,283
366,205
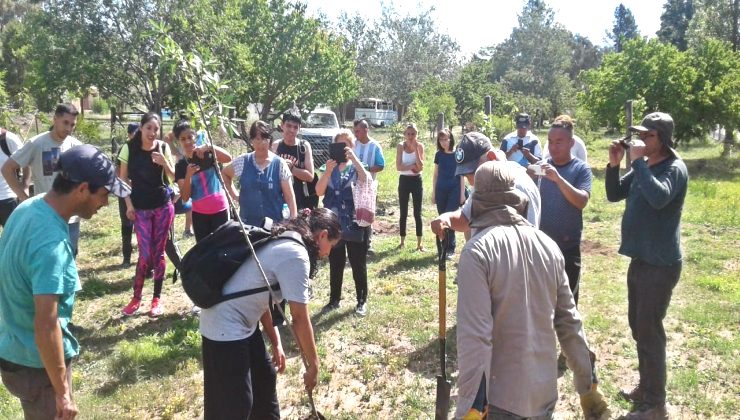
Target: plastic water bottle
x,y
286,211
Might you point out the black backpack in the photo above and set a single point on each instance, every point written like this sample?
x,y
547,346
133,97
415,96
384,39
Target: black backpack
x,y
208,265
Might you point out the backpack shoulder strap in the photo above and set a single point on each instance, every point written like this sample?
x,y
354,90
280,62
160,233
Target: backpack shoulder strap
x,y
258,244
4,142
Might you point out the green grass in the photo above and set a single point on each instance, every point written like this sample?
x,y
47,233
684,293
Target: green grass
x,y
384,365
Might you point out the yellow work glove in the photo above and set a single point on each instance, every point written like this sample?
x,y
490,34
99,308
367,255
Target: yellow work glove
x,y
593,405
474,414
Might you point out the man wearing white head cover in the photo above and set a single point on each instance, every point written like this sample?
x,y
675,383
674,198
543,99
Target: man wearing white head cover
x,y
513,300
475,149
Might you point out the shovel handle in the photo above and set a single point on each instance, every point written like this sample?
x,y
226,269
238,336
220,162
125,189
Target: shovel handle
x,y
442,300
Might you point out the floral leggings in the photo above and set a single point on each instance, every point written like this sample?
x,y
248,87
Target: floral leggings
x,y
152,228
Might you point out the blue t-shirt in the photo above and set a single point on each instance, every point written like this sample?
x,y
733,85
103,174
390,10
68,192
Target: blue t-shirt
x,y
446,166
36,258
560,220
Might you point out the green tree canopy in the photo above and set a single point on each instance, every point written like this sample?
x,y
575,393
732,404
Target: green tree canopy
x,y
674,22
624,27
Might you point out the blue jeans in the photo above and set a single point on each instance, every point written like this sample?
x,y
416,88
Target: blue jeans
x,y
448,199
649,290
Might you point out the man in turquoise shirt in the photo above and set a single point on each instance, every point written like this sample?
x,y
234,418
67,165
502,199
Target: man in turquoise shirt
x,y
38,282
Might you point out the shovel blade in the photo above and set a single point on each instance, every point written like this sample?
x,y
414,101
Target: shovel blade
x,y
442,405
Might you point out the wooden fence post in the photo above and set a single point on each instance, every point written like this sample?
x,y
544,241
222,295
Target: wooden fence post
x,y
628,110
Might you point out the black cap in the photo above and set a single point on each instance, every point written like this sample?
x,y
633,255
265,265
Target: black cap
x,y
467,155
86,163
131,129
522,120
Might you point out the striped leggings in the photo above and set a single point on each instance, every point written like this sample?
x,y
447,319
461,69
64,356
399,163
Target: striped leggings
x,y
152,227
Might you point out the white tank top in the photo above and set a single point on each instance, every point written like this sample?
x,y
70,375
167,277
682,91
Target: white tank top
x,y
408,159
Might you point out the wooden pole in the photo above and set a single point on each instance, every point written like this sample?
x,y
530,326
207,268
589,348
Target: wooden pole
x,y
488,108
628,110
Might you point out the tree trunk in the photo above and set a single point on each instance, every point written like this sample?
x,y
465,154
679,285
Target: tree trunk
x,y
728,145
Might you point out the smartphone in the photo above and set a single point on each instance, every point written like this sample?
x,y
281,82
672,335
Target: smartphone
x,y
520,143
336,152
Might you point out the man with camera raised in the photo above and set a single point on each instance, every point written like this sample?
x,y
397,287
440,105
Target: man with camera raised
x,y
654,189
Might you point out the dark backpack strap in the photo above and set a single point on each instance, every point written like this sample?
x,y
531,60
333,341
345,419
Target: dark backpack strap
x,y
275,287
247,292
4,142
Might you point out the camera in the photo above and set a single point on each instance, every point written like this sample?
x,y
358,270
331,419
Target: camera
x,y
625,142
205,162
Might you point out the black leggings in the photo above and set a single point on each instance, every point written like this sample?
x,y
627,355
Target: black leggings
x,y
6,207
357,253
409,184
127,229
205,224
239,381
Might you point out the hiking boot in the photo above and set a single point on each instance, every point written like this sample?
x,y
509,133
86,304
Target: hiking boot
x,y
656,412
331,306
636,395
361,309
156,309
132,307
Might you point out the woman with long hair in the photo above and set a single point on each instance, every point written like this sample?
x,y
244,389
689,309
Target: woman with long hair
x,y
239,377
410,163
335,184
146,163
448,192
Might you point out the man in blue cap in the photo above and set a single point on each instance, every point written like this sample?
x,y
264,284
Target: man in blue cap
x,y
38,282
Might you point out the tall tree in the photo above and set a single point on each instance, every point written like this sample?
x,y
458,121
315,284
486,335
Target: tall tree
x,y
674,22
397,54
584,55
290,57
718,19
624,27
533,62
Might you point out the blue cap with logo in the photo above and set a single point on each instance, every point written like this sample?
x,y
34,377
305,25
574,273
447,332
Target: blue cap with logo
x,y
87,163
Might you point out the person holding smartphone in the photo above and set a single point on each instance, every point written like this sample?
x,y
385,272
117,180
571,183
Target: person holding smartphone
x,y
522,145
335,184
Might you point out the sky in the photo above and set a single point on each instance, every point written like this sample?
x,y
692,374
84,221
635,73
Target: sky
x,y
481,23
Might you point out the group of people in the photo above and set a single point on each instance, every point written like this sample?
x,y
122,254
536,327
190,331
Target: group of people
x,y
518,274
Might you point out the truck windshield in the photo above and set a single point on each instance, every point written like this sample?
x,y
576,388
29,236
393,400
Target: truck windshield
x,y
321,121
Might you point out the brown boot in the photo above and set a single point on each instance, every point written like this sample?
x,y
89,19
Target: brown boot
x,y
657,412
636,395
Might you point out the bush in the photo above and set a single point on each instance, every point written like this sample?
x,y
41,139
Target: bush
x,y
88,131
100,106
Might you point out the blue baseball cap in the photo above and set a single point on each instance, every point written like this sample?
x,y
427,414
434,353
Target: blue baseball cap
x,y
87,163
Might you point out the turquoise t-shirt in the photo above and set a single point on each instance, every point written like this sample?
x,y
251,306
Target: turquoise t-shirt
x,y
36,258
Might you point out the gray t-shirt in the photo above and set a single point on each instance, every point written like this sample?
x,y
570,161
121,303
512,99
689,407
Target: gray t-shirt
x,y
285,263
41,153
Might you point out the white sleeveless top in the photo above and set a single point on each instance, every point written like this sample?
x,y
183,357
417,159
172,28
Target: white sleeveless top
x,y
408,159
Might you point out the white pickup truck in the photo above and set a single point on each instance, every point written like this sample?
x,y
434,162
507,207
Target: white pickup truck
x,y
319,129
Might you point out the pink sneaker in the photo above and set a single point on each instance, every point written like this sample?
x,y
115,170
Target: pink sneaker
x,y
132,307
156,309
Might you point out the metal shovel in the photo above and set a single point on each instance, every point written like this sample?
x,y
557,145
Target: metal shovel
x,y
442,404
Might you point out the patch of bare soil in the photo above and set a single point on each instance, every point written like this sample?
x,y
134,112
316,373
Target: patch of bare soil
x,y
596,247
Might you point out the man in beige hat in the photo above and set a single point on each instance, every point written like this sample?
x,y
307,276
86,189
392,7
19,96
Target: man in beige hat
x,y
654,189
513,300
